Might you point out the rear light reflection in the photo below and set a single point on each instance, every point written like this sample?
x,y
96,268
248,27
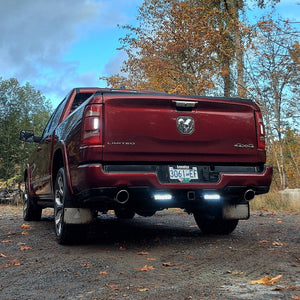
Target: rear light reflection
x,y
91,130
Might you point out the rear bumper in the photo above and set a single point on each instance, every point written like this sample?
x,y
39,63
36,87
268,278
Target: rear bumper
x,y
96,186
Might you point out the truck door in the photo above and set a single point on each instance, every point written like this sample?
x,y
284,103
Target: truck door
x,y
42,158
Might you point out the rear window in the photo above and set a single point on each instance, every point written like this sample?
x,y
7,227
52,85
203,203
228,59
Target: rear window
x,y
79,99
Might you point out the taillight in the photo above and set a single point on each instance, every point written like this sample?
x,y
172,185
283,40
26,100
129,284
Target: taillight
x,y
92,125
260,130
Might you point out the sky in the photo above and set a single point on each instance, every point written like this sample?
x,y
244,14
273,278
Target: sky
x,y
61,44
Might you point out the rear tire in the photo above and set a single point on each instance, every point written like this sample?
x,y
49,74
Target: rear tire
x,y
216,226
31,211
65,233
124,213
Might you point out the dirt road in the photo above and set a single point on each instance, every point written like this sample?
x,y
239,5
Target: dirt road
x,y
162,257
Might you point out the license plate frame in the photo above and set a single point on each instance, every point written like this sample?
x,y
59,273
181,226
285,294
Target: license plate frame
x,y
183,174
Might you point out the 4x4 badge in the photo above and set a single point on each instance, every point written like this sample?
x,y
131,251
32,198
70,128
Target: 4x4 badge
x,y
185,125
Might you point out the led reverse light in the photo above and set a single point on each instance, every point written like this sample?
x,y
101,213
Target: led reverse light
x,y
162,197
211,197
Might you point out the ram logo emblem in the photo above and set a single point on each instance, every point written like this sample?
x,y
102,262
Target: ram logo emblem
x,y
185,125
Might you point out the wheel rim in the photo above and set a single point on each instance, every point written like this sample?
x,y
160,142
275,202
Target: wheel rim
x,y
59,196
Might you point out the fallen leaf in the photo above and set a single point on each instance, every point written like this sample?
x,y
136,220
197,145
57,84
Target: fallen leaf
x,y
143,253
114,286
20,243
169,264
263,242
278,244
103,273
235,272
24,233
151,258
294,297
14,262
2,255
23,248
122,249
193,226
6,241
268,280
295,265
25,226
87,265
143,290
145,268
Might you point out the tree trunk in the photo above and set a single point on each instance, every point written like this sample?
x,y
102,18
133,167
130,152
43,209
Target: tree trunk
x,y
226,77
239,52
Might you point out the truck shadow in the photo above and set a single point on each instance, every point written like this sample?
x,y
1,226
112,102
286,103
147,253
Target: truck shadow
x,y
140,230
108,230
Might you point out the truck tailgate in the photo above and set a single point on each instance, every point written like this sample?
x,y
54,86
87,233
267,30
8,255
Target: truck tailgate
x,y
158,128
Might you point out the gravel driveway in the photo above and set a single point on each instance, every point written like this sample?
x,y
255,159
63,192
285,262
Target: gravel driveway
x,y
161,257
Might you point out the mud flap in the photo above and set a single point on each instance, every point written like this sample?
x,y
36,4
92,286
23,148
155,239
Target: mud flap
x,y
77,216
236,212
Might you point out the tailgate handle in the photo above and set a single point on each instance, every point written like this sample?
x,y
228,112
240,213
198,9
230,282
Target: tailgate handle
x,y
185,105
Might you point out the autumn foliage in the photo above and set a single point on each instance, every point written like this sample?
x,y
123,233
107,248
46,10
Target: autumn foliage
x,y
208,48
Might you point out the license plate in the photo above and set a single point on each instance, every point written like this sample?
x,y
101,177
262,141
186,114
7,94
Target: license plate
x,y
183,173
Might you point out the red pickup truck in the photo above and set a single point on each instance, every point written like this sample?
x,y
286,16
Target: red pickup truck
x,y
141,152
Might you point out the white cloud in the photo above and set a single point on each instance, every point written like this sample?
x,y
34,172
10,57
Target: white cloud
x,y
115,63
36,34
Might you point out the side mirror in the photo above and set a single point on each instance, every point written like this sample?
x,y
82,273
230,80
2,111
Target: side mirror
x,y
28,136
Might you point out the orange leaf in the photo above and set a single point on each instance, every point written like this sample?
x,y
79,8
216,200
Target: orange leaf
x,y
145,268
2,255
122,249
114,286
6,241
151,258
103,273
25,226
169,264
85,265
143,290
24,233
23,248
295,265
143,253
268,280
278,244
263,242
14,262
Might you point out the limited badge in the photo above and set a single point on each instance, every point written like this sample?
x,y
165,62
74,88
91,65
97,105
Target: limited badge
x,y
185,125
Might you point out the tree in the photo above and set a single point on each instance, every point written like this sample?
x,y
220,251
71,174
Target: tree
x,y
275,77
177,48
203,47
21,107
188,46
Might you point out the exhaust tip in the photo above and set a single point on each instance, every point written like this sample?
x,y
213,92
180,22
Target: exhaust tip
x,y
249,195
122,196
